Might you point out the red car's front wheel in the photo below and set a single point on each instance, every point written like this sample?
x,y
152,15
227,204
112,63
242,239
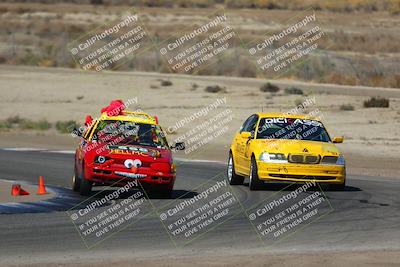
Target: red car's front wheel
x,y
86,186
163,191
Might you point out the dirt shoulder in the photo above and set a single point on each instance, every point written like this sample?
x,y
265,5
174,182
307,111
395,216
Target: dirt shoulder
x,y
330,259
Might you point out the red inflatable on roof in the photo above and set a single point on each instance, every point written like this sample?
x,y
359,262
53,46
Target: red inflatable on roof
x,y
115,108
88,120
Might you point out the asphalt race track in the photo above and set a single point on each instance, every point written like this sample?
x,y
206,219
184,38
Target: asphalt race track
x,y
365,216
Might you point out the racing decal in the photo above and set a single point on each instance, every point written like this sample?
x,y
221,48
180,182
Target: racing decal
x,y
308,122
131,175
131,148
276,120
128,150
292,121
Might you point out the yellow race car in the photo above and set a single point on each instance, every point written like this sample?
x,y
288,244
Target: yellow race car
x,y
285,148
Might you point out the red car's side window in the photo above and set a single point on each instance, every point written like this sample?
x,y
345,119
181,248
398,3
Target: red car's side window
x,y
89,130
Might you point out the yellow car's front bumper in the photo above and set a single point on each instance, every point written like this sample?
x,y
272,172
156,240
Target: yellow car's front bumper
x,y
290,172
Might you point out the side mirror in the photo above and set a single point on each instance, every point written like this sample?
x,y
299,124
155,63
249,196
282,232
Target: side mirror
x,y
179,146
338,139
245,135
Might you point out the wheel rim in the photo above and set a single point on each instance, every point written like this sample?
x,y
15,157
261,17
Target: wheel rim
x,y
230,168
251,172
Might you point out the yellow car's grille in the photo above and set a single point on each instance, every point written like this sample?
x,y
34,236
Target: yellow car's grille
x,y
312,159
296,158
304,159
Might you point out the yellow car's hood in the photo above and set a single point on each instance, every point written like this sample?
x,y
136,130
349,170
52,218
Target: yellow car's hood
x,y
295,146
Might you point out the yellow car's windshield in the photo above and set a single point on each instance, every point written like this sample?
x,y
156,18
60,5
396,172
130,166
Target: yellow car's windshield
x,y
291,128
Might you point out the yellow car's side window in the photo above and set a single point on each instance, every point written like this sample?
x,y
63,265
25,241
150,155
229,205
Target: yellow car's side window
x,y
250,124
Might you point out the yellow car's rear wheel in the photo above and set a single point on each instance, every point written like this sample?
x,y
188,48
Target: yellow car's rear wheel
x,y
254,183
233,178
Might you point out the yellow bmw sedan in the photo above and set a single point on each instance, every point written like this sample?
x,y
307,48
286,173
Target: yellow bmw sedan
x,y
286,148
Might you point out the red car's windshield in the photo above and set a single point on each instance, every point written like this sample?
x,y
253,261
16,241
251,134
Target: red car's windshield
x,y
129,133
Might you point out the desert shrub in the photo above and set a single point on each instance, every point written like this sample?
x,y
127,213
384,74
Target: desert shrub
x,y
43,125
96,2
214,89
194,3
18,122
376,102
14,120
3,9
66,126
293,91
79,97
34,125
346,107
5,125
166,83
269,87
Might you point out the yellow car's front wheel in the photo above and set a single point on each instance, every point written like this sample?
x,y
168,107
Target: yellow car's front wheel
x,y
233,178
254,183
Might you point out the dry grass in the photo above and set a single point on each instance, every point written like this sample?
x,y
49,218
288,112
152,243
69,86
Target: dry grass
x,y
356,53
331,5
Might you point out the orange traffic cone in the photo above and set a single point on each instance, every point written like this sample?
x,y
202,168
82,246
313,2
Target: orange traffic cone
x,y
16,190
41,188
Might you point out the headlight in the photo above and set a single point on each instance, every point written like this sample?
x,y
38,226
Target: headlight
x,y
340,160
273,157
173,168
100,159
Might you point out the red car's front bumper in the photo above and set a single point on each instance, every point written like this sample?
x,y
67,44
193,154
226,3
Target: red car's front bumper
x,y
119,174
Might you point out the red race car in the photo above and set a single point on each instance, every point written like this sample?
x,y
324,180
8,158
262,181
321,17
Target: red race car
x,y
123,146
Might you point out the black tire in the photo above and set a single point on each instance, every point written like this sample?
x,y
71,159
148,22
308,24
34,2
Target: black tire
x,y
76,181
86,186
161,191
233,178
338,187
164,193
255,183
